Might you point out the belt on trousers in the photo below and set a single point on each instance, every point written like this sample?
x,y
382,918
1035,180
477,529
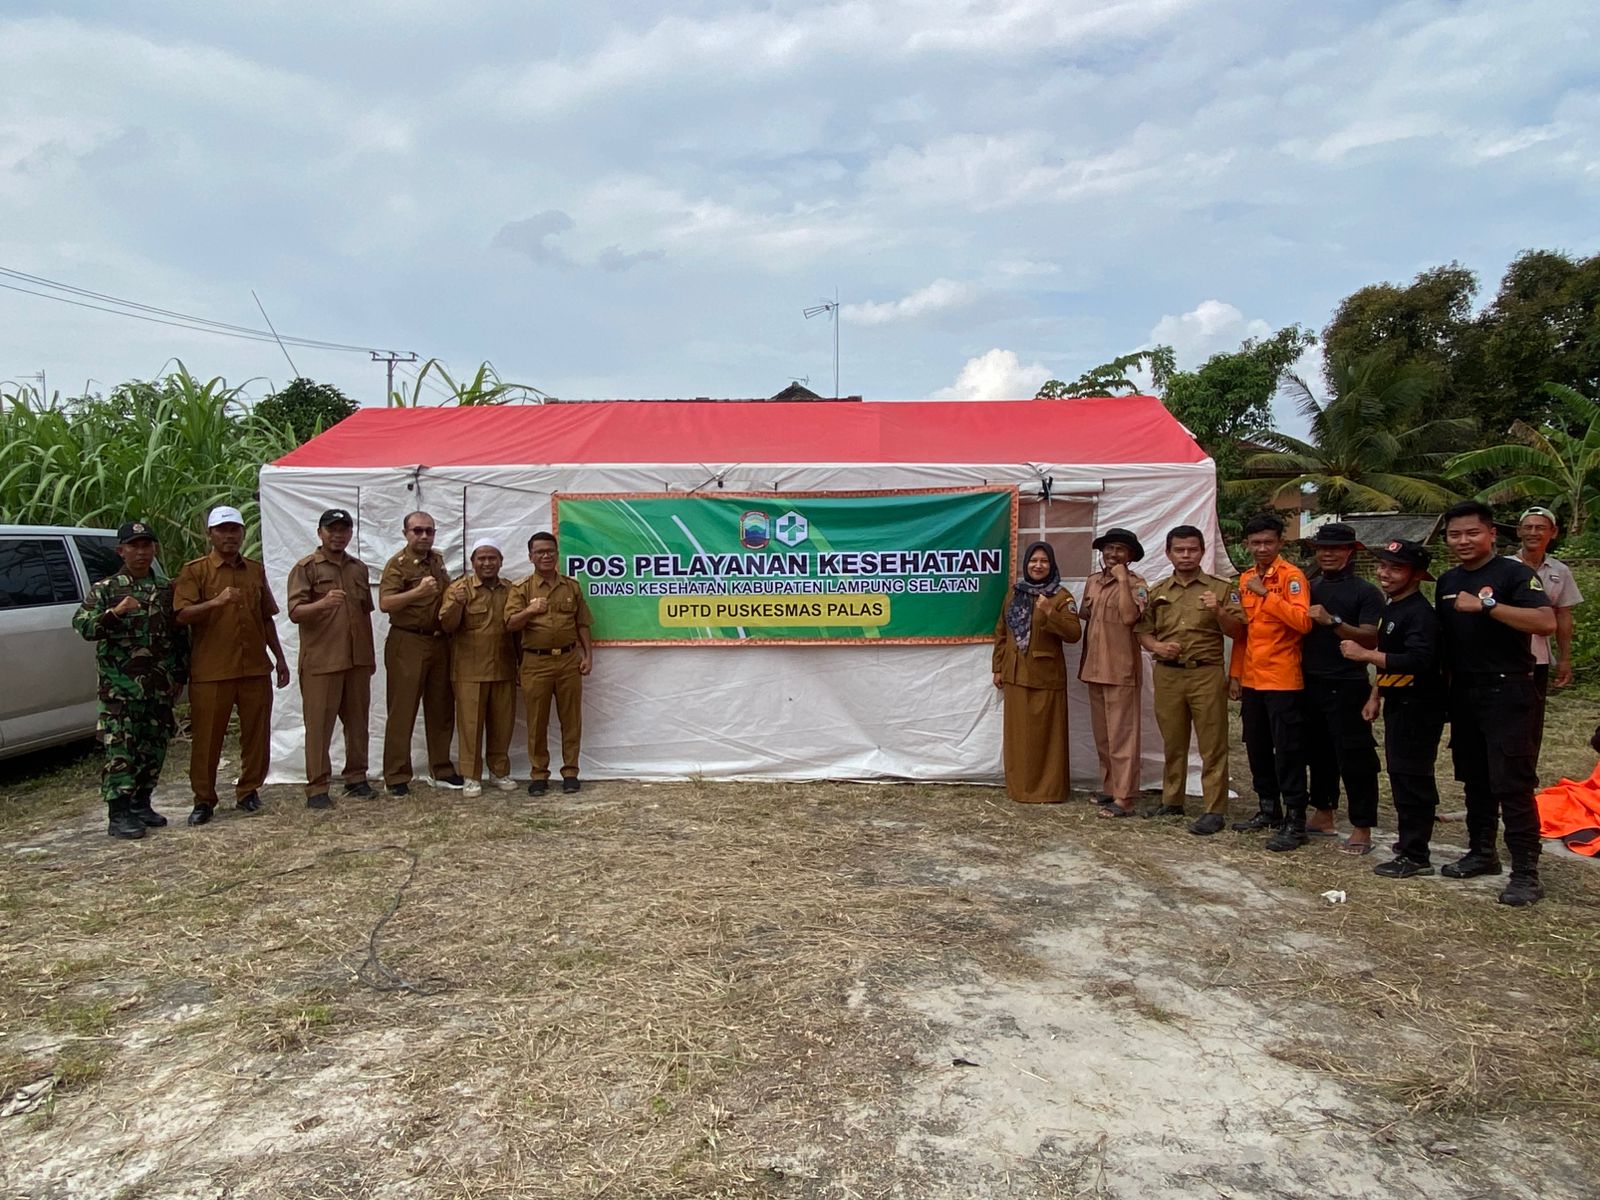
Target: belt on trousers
x,y
436,633
555,651
1182,666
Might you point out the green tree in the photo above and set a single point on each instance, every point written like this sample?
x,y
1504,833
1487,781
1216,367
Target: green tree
x,y
1111,379
306,407
1228,399
1549,464
1372,447
1427,321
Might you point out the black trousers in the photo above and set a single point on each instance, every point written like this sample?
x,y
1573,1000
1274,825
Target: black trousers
x,y
1412,726
1492,724
1274,743
1541,684
1340,745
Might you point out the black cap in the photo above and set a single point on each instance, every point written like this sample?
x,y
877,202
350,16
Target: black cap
x,y
135,531
1120,537
334,516
1407,554
1336,534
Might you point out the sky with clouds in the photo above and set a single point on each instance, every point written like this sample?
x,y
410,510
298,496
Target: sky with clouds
x,y
622,199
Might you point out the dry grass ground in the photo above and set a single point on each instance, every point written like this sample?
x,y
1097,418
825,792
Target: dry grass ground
x,y
760,990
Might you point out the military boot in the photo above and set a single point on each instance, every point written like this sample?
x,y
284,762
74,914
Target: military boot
x,y
141,809
1479,860
1522,889
122,823
1268,816
1291,834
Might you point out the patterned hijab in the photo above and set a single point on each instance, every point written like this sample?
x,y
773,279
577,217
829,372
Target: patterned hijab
x,y
1019,612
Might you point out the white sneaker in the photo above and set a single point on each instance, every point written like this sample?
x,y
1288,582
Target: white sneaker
x,y
472,789
504,782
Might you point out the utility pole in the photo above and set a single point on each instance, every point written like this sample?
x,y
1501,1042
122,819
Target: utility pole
x,y
390,359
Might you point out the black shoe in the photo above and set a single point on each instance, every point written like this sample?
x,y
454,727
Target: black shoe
x,y
201,814
399,790
1207,824
147,815
1291,835
121,823
362,790
1471,864
454,782
570,784
538,787
1522,889
1162,810
320,800
1260,821
1402,868
249,802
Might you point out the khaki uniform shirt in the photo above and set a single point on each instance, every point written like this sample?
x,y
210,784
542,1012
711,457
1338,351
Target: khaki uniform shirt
x,y
228,642
402,573
1174,613
1043,665
1110,649
481,651
340,640
557,627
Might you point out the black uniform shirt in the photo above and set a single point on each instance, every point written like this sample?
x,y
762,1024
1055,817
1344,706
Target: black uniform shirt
x,y
1476,643
1409,637
1355,602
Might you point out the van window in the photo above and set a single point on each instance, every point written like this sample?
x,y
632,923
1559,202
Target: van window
x,y
35,572
99,554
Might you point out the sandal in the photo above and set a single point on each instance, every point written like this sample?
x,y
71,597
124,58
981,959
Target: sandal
x,y
1351,847
1115,810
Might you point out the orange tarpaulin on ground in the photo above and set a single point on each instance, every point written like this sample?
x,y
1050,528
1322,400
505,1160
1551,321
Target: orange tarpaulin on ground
x,y
1571,811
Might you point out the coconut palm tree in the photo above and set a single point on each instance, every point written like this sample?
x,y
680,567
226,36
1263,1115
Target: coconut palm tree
x,y
1372,447
1548,464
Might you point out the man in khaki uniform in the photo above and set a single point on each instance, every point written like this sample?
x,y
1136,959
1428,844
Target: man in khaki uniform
x,y
1111,667
483,668
330,599
1183,625
549,610
224,600
416,658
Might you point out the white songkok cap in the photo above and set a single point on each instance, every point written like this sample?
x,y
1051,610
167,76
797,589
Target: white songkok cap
x,y
487,544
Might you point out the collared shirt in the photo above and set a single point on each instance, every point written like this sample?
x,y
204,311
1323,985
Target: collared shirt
x,y
402,573
1562,589
228,642
1174,613
558,625
1267,658
341,639
1110,649
1476,644
1355,602
141,655
481,651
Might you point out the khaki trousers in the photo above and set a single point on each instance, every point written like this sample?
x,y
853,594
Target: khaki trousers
x,y
347,696
210,706
547,676
417,668
1197,698
1114,715
485,712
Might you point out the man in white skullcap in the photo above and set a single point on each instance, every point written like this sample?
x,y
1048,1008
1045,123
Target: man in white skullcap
x,y
483,669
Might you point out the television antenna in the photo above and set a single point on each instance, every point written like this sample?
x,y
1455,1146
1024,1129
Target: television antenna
x,y
831,308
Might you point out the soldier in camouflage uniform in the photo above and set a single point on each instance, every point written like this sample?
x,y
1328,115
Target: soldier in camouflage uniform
x,y
143,658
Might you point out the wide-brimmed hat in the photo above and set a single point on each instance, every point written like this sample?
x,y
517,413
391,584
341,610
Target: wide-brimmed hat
x,y
1407,554
1120,537
1335,534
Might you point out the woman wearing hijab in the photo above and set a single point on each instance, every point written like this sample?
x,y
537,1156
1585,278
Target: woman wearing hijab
x,y
1031,671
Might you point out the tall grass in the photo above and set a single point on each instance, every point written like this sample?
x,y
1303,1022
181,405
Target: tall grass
x,y
162,451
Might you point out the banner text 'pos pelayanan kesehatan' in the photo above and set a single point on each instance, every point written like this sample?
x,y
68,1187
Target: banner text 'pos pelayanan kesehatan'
x,y
892,566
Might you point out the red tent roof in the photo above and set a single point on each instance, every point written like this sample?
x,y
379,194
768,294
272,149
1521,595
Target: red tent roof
x,y
1124,429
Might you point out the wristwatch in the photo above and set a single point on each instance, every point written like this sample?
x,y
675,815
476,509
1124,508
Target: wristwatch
x,y
1488,602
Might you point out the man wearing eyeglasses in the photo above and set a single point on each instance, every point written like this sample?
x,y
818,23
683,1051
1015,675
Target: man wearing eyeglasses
x,y
549,610
416,658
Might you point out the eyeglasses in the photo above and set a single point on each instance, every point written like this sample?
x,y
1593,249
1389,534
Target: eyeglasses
x,y
543,553
419,530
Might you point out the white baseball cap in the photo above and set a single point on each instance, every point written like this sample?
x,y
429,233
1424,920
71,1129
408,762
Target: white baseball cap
x,y
487,544
224,514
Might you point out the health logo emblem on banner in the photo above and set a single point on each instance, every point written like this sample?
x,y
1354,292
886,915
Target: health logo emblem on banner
x,y
786,568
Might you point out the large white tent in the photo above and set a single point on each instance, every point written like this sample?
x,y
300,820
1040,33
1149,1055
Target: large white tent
x,y
863,711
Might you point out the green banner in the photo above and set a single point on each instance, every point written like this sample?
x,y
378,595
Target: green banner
x,y
894,566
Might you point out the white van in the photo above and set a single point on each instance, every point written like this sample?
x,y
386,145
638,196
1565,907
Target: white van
x,y
49,691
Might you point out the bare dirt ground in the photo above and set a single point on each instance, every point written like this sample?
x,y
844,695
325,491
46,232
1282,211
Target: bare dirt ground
x,y
828,990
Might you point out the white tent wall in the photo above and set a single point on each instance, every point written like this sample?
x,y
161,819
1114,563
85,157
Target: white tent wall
x,y
726,711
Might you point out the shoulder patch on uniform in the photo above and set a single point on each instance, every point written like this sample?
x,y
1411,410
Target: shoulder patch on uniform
x,y
1534,585
1294,587
1233,596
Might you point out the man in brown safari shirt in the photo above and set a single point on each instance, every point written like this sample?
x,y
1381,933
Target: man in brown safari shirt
x,y
224,600
483,669
549,610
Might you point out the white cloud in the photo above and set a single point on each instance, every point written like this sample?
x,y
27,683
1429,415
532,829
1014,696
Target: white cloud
x,y
1208,328
940,296
995,375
